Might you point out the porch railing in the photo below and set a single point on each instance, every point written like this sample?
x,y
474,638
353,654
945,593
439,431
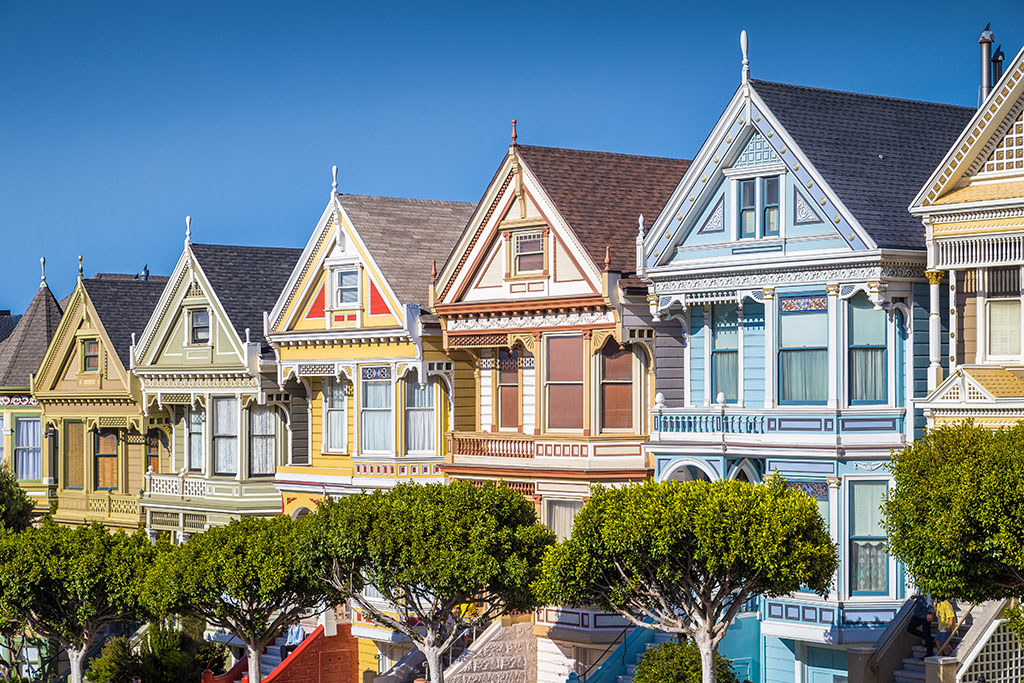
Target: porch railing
x,y
175,485
491,446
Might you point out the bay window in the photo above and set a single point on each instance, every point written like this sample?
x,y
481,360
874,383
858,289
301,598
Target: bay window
x,y
262,440
337,414
195,439
867,352
419,415
105,457
508,389
376,429
74,451
564,382
725,355
869,562
616,387
225,436
28,448
803,349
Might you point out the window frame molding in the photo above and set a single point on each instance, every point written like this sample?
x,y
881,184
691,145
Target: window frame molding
x,y
497,385
848,484
326,405
96,455
391,409
334,268
545,383
203,413
275,437
888,369
636,392
190,314
211,438
432,389
85,356
780,315
759,174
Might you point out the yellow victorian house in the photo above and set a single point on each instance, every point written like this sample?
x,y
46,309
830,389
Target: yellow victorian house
x,y
91,402
973,213
24,446
361,355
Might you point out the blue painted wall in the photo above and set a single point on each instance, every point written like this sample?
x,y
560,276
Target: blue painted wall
x,y
779,660
742,645
753,355
698,338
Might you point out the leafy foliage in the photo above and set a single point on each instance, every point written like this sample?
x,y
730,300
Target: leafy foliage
x,y
955,515
678,663
244,577
430,551
15,505
168,654
686,555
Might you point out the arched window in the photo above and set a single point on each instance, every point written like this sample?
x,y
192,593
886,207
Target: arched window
x,y
420,423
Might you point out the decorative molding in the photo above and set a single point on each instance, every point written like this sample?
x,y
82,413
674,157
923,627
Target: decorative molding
x,y
870,467
716,220
467,340
801,304
305,270
531,321
758,279
17,400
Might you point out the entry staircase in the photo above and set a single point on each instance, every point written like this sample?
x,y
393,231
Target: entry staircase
x,y
413,664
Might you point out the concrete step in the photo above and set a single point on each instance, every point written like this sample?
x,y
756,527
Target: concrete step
x,y
912,664
906,676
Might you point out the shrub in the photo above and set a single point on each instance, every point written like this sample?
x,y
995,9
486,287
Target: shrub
x,y
673,662
169,654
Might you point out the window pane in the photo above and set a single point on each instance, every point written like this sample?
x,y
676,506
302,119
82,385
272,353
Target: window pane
x,y
225,449
336,429
565,406
75,449
106,442
803,376
27,451
1004,282
225,417
746,194
529,252
106,472
617,406
725,321
868,570
747,223
726,375
530,262
508,367
376,430
419,429
262,440
565,359
771,191
866,512
225,431
617,365
1004,328
803,330
771,220
867,375
867,326
348,278
195,439
156,448
560,516
508,407
376,394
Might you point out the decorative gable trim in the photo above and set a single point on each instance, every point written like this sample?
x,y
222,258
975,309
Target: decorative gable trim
x,y
1007,154
757,153
716,219
960,388
803,212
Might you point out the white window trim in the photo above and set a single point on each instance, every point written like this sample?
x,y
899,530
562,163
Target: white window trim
x,y
334,270
433,389
238,437
892,382
391,385
247,419
515,255
546,509
326,406
847,544
758,174
203,470
188,332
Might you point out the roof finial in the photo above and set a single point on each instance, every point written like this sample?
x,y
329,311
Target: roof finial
x,y
514,135
42,267
334,174
746,61
433,271
188,229
640,224
79,266
607,257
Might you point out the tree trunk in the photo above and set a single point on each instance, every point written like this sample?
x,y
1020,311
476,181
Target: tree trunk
x,y
76,657
435,669
708,668
255,664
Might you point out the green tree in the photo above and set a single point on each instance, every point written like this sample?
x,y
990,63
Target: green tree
x,y
679,663
67,584
446,557
244,577
955,514
684,557
15,505
169,653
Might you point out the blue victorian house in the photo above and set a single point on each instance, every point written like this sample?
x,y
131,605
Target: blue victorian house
x,y
797,277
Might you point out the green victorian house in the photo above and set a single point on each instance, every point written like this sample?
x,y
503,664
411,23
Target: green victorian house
x,y
203,362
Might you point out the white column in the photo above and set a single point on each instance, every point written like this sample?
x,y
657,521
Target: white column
x,y
770,355
934,325
834,526
832,298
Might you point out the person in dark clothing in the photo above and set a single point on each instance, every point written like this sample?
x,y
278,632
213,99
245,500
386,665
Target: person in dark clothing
x,y
921,622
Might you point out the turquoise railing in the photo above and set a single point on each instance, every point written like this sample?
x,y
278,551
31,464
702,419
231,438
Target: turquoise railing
x,y
615,665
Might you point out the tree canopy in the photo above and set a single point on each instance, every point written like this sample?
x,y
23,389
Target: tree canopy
x,y
15,505
955,514
244,577
679,663
69,583
683,557
431,552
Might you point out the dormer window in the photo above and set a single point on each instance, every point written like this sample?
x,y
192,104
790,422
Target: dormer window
x,y
90,355
758,204
346,287
200,326
529,252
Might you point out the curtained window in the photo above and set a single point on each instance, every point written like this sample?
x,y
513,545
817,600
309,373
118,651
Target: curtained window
x,y
725,355
869,562
419,415
803,350
377,432
156,449
616,387
105,457
748,208
565,382
337,414
508,389
195,439
1004,327
74,452
262,440
560,515
28,439
225,436
867,352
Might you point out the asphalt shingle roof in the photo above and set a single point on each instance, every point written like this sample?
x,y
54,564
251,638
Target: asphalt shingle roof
x,y
23,350
247,281
875,152
601,195
124,304
405,236
7,324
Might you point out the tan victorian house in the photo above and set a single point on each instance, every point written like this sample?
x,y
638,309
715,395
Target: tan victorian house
x,y
91,402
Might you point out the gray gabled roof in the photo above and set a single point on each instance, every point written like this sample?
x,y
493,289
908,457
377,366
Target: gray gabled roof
x,y
247,281
405,236
874,152
124,304
23,350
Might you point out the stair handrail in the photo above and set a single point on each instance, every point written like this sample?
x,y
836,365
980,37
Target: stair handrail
x,y
956,629
887,638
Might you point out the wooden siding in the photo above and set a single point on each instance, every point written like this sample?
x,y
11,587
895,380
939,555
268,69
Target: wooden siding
x,y
967,317
300,431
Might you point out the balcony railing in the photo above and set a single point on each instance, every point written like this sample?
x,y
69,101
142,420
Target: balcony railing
x,y
98,504
707,423
780,420
491,446
175,485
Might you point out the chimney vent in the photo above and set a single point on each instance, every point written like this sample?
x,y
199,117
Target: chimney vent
x,y
997,65
986,63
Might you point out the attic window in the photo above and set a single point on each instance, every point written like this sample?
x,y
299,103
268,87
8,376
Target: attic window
x,y
529,252
90,355
200,326
347,287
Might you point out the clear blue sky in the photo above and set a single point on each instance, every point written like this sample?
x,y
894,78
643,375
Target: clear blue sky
x,y
119,118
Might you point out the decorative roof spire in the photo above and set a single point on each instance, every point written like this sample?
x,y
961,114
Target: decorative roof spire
x,y
433,271
79,266
607,257
514,135
334,183
42,267
640,225
188,230
746,61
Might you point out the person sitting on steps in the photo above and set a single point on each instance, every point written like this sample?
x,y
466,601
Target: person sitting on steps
x,y
921,622
294,638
